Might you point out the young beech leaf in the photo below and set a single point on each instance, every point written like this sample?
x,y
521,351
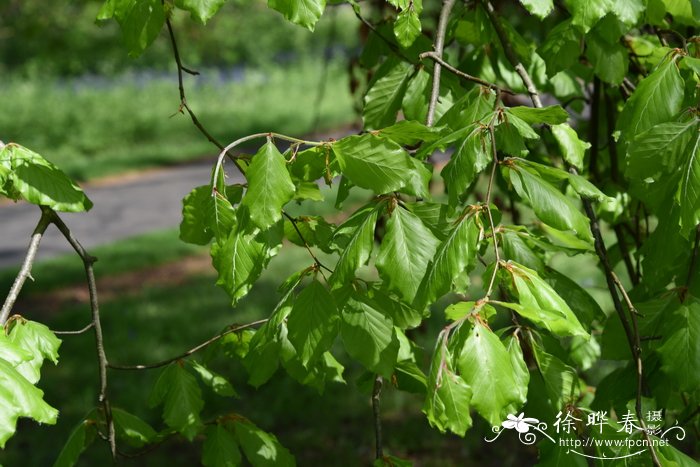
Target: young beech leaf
x,y
356,238
131,428
376,163
270,186
368,335
486,365
471,157
262,449
448,395
560,380
313,322
657,99
680,346
453,256
19,398
220,448
80,438
305,13
541,304
383,99
410,132
407,27
39,341
406,249
38,181
201,10
550,205
571,147
177,390
241,257
552,115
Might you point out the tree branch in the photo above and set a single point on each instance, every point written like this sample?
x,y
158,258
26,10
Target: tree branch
x,y
75,333
88,261
461,74
511,55
150,366
26,269
438,47
376,394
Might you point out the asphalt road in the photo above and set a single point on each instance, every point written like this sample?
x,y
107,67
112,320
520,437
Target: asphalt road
x,y
122,208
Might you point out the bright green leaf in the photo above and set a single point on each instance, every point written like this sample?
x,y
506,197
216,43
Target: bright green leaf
x,y
313,322
269,186
135,431
181,397
406,249
539,8
302,12
215,381
383,99
262,449
407,27
38,340
572,148
358,246
202,10
220,448
552,115
680,346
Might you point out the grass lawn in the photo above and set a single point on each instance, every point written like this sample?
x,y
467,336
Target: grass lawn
x,y
93,128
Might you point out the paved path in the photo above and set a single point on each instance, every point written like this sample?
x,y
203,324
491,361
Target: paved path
x,y
139,204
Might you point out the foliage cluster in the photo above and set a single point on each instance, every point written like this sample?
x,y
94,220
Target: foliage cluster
x,y
531,340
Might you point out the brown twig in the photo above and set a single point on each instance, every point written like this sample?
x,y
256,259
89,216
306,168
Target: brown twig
x,y
438,47
494,154
150,366
306,245
26,269
432,55
75,333
376,394
88,261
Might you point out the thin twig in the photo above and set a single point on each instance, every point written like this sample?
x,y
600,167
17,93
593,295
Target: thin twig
x,y
494,154
376,394
438,47
593,129
186,354
26,269
432,55
626,255
75,333
88,261
306,245
392,46
511,55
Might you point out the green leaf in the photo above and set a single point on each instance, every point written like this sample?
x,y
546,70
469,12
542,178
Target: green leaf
x,y
368,335
302,12
407,27
475,106
560,380
376,163
659,149
34,179
201,10
406,249
561,48
455,255
313,322
472,156
37,340
193,228
314,230
610,61
80,438
19,398
550,205
487,367
220,448
587,13
629,11
571,147
539,8
689,191
586,308
262,449
680,346
541,304
447,398
140,21
403,315
215,381
657,99
135,431
181,397
517,249
269,186
410,132
358,247
12,353
552,115
383,99
241,257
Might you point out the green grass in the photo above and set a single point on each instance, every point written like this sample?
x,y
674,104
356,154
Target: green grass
x,y
126,123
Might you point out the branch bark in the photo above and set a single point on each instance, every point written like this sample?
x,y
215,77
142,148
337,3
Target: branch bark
x,y
26,269
474,79
438,48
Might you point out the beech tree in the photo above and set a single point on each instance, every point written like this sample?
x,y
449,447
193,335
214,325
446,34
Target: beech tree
x,y
608,169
